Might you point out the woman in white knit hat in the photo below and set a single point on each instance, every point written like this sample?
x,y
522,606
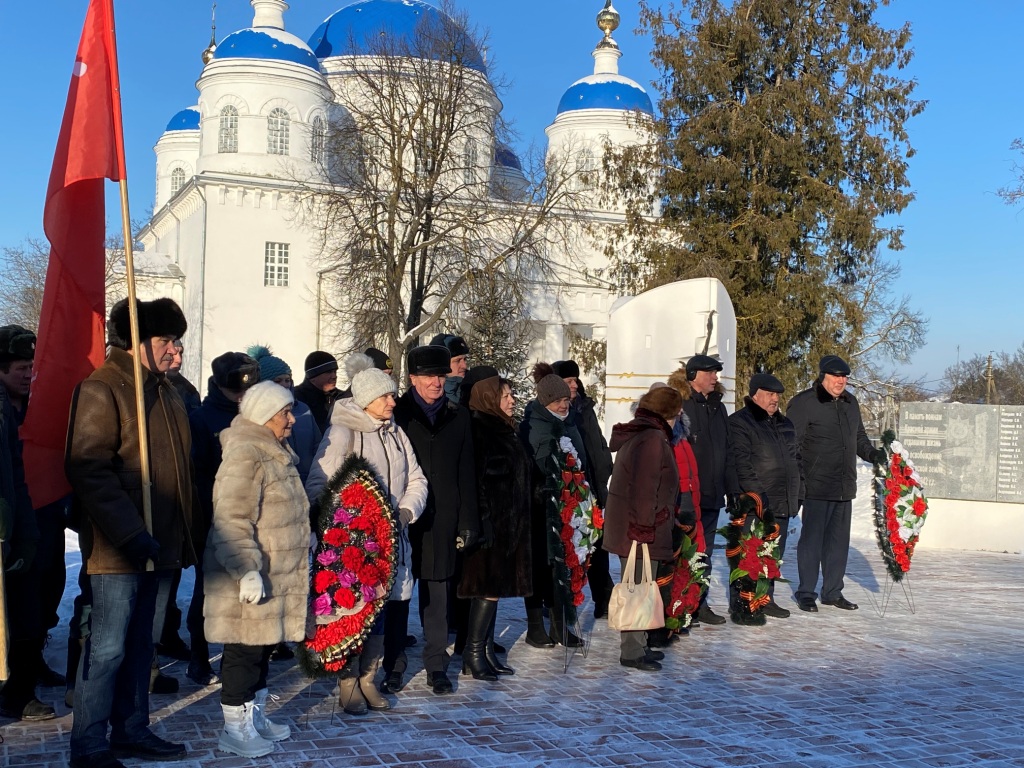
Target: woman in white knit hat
x,y
363,425
256,563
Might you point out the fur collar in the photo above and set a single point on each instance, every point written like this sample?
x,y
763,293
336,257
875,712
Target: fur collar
x,y
825,397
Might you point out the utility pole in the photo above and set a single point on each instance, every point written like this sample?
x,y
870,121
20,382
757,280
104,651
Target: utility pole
x,y
990,382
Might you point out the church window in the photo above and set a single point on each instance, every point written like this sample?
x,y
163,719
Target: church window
x,y
425,158
318,140
275,265
177,180
587,170
277,132
470,159
227,131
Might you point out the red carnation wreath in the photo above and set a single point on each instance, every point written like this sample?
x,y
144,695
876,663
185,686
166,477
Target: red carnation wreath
x,y
354,566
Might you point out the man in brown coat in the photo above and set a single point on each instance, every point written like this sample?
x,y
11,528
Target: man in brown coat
x,y
103,466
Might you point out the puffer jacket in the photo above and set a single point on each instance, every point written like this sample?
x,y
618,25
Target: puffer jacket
x,y
766,459
387,448
644,487
260,523
103,467
831,434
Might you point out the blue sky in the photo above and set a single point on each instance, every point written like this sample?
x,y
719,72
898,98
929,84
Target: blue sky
x,y
962,260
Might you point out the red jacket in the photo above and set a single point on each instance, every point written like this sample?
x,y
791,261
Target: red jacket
x,y
686,462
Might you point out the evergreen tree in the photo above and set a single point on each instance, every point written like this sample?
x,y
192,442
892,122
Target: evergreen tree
x,y
780,150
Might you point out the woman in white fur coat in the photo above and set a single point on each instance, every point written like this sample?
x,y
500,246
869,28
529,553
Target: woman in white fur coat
x,y
256,564
364,425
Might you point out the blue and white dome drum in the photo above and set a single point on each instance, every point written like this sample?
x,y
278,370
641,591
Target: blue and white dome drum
x,y
186,120
605,91
356,29
266,43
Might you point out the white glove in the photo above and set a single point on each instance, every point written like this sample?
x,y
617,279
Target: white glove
x,y
250,588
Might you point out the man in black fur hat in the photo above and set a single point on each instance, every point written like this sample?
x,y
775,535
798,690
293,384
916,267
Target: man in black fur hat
x,y
128,561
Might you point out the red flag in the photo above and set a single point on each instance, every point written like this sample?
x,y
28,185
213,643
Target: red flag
x,y
71,339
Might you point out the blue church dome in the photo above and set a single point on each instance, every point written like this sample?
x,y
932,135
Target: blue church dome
x,y
186,120
504,157
266,43
605,91
355,29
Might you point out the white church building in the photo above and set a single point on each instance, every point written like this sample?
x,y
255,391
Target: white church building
x,y
225,230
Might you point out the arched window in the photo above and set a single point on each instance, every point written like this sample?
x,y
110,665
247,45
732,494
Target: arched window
x,y
227,133
470,160
587,170
318,140
277,132
177,180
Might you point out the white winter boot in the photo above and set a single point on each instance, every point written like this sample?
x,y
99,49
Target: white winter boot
x,y
239,736
265,728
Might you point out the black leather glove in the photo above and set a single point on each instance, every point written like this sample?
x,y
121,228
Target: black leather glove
x,y
467,541
140,548
878,457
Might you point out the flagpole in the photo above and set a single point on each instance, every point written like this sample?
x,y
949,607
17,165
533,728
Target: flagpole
x,y
133,311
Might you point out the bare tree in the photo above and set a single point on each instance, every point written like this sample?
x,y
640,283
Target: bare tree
x,y
21,282
408,213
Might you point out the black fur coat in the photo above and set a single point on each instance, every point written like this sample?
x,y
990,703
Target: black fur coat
x,y
502,566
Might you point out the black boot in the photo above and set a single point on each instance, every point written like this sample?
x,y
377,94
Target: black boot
x,y
536,634
474,657
497,666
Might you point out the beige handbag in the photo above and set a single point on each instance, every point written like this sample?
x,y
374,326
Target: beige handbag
x,y
636,606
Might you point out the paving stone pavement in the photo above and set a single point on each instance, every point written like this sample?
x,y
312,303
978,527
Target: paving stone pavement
x,y
939,686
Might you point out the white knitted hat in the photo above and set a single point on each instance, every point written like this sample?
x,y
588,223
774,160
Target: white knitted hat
x,y
262,401
368,381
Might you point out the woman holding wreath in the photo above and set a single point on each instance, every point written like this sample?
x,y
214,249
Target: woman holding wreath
x,y
256,566
642,499
363,426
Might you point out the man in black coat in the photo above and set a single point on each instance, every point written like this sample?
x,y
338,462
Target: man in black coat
x,y
319,388
441,436
831,434
583,413
709,435
766,461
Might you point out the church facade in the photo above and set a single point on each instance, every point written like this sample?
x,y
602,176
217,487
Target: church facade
x,y
246,264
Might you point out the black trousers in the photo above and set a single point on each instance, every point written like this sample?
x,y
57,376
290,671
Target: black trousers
x,y
434,609
396,628
709,522
243,672
824,547
172,615
194,620
49,561
599,576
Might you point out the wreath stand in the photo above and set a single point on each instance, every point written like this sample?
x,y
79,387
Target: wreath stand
x,y
888,589
567,652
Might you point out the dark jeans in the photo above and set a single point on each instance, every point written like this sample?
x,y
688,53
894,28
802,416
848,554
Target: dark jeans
x,y
396,628
113,676
243,671
434,607
824,546
709,522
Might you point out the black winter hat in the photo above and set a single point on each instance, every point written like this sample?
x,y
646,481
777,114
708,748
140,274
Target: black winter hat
x,y
432,360
380,359
834,365
160,317
16,343
767,382
235,371
456,345
701,363
567,369
319,362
